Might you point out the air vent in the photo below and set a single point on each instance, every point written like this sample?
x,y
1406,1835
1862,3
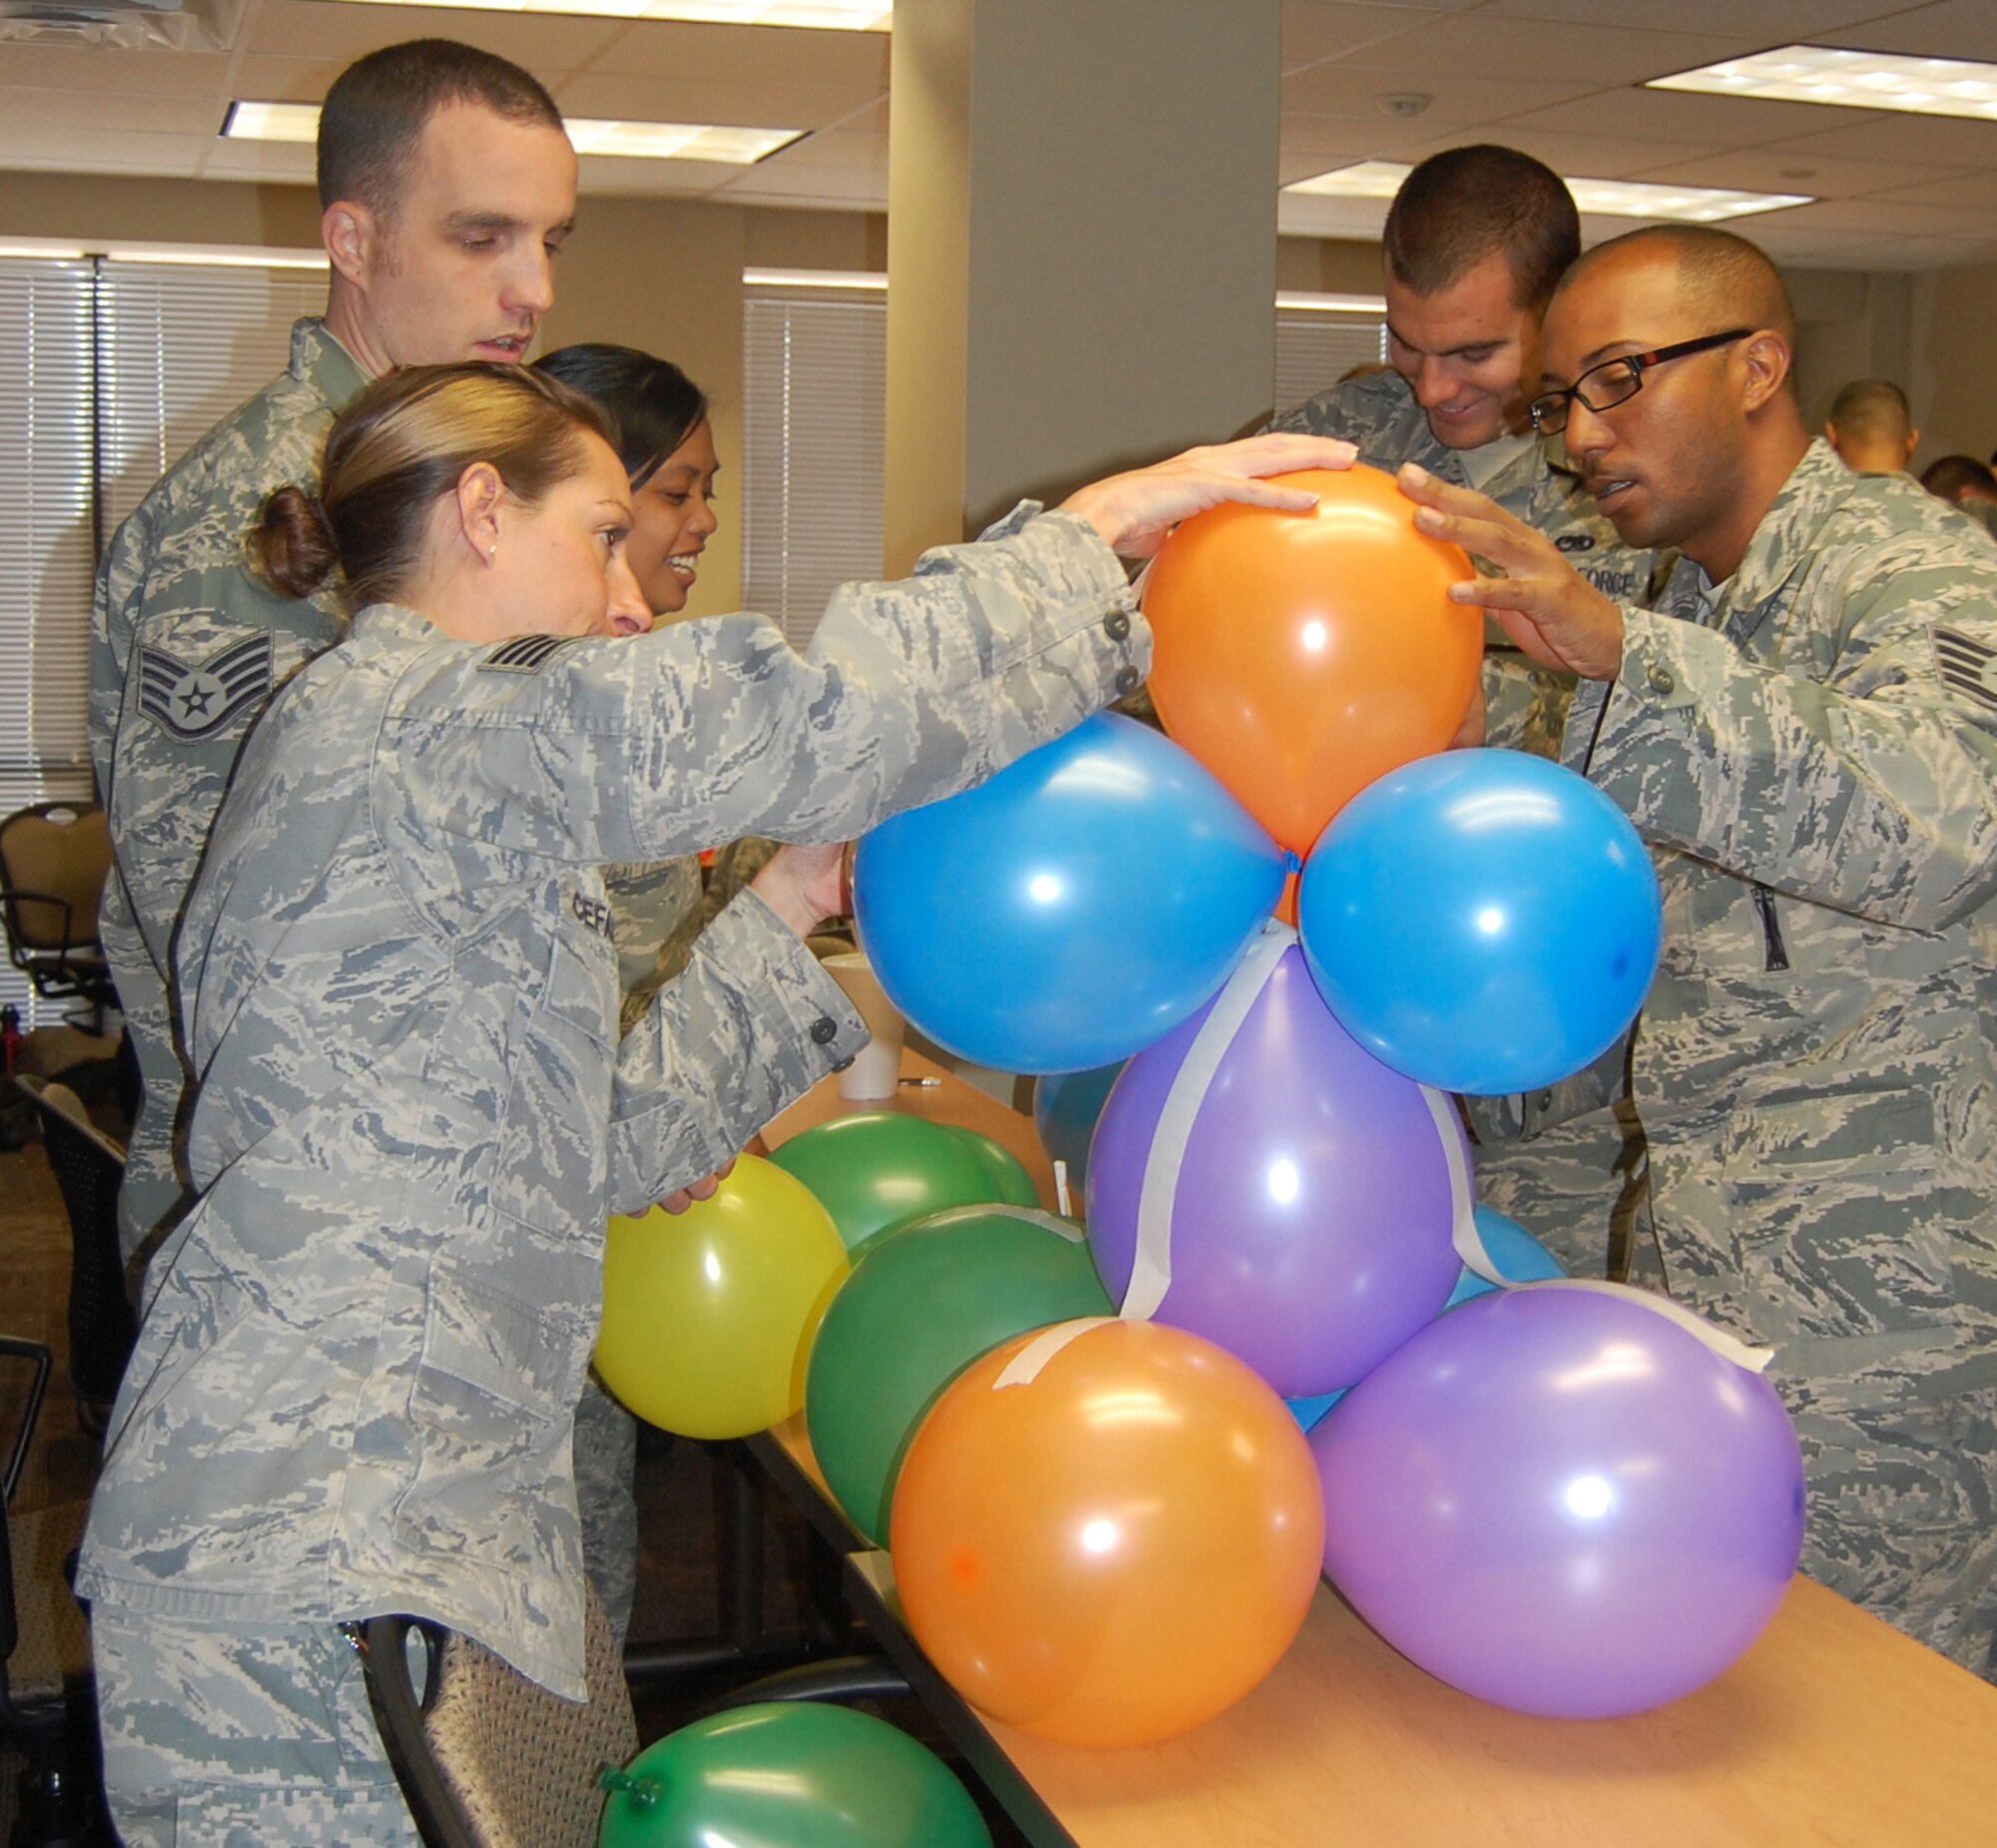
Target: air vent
x,y
133,25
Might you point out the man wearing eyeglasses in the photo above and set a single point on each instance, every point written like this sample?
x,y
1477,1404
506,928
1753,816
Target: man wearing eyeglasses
x,y
1804,730
1474,242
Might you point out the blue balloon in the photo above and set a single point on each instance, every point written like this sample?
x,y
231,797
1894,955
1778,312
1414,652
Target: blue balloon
x,y
1307,1411
1066,1105
1072,909
1519,1256
1484,921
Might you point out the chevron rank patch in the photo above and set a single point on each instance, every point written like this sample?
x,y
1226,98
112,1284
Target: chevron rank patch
x,y
194,701
525,654
1965,665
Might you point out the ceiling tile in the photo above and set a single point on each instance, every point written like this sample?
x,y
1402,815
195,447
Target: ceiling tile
x,y
1977,190
1678,115
1314,30
1889,220
327,29
1773,21
641,99
1863,135
1325,140
1525,48
44,109
758,53
1778,170
1580,157
1953,29
91,69
1461,94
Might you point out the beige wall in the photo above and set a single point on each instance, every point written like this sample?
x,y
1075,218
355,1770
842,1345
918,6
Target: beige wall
x,y
1954,315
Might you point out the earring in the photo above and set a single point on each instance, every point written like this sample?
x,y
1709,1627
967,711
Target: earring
x,y
491,552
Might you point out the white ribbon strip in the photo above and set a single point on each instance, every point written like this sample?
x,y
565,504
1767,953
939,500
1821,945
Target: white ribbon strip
x,y
1463,1232
1728,1347
1024,1366
1152,1262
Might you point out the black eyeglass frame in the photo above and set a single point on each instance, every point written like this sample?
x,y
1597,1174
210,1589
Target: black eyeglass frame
x,y
1549,411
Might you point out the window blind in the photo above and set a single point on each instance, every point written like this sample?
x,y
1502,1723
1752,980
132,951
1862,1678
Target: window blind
x,y
114,370
182,345
815,395
1314,346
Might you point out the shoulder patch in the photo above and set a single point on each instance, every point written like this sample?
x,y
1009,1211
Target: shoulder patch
x,y
198,700
1575,542
1965,665
525,654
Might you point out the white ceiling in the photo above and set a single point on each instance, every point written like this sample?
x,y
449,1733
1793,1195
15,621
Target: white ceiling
x,y
1554,77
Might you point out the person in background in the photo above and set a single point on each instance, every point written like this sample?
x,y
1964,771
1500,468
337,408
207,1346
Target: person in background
x,y
666,444
1804,731
1872,428
355,1383
1474,242
447,185
1967,486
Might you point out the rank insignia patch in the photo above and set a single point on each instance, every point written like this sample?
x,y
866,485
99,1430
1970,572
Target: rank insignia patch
x,y
196,701
1965,665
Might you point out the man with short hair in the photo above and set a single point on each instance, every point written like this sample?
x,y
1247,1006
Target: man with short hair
x,y
1967,486
1473,246
1872,428
448,187
1804,730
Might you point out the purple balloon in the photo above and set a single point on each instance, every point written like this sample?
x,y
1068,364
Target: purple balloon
x,y
1310,1223
1559,1501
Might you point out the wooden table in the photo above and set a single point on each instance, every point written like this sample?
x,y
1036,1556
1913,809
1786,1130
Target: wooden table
x,y
1833,1732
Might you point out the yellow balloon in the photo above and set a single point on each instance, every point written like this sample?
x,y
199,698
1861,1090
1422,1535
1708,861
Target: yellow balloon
x,y
709,1315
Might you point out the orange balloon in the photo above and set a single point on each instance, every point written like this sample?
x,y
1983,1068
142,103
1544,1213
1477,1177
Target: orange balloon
x,y
1109,1536
1299,656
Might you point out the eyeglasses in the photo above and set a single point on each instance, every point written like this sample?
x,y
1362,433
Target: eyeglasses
x,y
1616,381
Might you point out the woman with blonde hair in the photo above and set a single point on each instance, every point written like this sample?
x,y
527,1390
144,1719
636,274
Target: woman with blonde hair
x,y
353,1389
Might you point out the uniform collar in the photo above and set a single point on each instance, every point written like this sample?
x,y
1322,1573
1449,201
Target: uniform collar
x,y
388,625
322,365
1782,543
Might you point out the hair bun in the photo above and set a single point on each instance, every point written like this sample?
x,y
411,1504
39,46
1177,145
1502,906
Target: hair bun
x,y
291,545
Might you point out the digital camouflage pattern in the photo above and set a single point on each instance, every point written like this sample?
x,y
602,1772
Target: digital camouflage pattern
x,y
1567,1172
1811,755
187,647
260,1738
356,1380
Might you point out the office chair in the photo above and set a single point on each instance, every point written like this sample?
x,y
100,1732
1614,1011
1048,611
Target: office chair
x,y
47,1693
102,1324
486,1758
54,860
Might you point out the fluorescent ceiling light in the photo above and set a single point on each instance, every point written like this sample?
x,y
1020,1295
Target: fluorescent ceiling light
x,y
815,279
648,141
213,256
1849,80
826,15
1295,299
1622,199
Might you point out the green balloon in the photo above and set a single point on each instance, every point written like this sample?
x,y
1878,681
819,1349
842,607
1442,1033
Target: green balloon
x,y
787,1772
879,1170
1008,1174
923,1304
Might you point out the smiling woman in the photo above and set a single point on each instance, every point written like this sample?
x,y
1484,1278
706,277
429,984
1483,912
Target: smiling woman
x,y
667,447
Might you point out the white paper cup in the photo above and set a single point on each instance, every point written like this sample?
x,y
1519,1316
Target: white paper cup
x,y
875,1071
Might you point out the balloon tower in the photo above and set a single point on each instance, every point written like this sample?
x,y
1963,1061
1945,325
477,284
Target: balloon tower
x,y
1107,1523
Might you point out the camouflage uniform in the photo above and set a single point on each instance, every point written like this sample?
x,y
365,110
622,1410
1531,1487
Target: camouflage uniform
x,y
1811,752
1563,1185
186,649
356,1384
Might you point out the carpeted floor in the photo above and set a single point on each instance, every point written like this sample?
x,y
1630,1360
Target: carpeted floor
x,y
678,1482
